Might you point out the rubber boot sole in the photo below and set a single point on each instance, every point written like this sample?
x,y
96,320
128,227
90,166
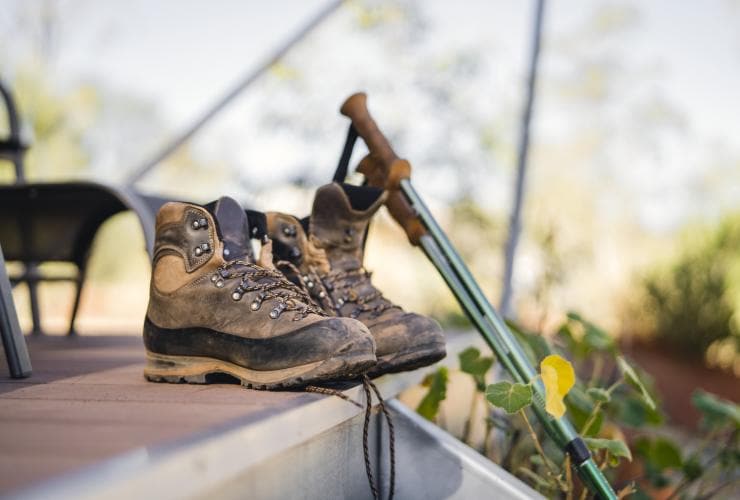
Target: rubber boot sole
x,y
409,359
202,370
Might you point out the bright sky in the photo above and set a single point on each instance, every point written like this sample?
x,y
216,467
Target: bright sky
x,y
181,55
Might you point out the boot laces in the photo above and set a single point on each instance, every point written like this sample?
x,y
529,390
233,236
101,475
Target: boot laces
x,y
355,286
270,285
369,386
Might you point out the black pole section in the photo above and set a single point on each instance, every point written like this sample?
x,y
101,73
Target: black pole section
x,y
515,224
221,103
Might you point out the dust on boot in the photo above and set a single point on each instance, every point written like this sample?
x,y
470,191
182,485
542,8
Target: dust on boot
x,y
325,253
214,309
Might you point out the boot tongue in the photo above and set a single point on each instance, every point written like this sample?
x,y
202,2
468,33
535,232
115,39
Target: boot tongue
x,y
233,228
339,220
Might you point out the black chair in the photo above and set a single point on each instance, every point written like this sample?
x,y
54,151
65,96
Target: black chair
x,y
45,222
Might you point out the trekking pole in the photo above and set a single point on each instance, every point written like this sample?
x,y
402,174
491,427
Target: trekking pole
x,y
382,168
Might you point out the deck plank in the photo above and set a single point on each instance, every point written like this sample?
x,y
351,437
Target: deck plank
x,y
87,401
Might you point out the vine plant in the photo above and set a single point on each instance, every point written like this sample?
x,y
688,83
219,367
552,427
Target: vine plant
x,y
615,409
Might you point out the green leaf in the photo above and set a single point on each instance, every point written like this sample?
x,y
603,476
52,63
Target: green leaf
x,y
716,411
633,411
535,345
594,338
659,454
437,383
574,316
510,397
472,363
692,469
599,395
565,334
665,454
579,406
615,447
631,376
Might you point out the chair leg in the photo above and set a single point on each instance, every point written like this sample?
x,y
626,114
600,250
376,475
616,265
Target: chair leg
x,y
76,304
14,344
33,294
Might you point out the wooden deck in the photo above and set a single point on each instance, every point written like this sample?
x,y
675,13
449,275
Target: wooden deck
x,y
88,401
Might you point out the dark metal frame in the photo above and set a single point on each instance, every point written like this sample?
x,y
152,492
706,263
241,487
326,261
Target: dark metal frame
x,y
23,205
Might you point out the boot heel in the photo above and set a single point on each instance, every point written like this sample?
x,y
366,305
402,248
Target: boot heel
x,y
178,369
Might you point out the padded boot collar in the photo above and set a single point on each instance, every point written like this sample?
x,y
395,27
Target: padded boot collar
x,y
339,220
233,228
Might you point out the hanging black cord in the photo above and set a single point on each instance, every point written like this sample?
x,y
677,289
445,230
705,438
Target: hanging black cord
x,y
367,385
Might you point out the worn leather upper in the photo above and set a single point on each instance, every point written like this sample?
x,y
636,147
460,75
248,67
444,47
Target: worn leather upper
x,y
189,287
329,260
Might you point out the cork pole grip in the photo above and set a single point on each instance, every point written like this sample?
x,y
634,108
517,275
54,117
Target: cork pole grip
x,y
355,108
398,206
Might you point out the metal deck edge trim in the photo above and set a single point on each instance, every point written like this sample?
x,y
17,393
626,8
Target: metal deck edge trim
x,y
469,458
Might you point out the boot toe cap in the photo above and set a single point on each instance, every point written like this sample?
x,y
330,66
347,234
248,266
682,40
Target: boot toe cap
x,y
343,335
405,332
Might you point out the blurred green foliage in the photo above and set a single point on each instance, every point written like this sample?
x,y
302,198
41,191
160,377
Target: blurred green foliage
x,y
615,407
693,300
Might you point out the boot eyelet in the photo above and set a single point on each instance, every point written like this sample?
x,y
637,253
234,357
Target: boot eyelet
x,y
201,249
237,294
257,302
322,294
214,278
277,310
309,284
219,284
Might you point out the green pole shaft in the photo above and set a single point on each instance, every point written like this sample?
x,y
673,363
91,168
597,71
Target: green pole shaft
x,y
503,343
431,249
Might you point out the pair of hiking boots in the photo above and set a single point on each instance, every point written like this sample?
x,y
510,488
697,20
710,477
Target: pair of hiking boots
x,y
302,311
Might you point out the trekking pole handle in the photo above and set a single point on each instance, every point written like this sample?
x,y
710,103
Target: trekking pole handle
x,y
382,167
355,108
390,169
398,205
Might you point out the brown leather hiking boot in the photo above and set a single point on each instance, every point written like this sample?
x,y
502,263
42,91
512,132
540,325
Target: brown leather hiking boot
x,y
325,253
213,310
